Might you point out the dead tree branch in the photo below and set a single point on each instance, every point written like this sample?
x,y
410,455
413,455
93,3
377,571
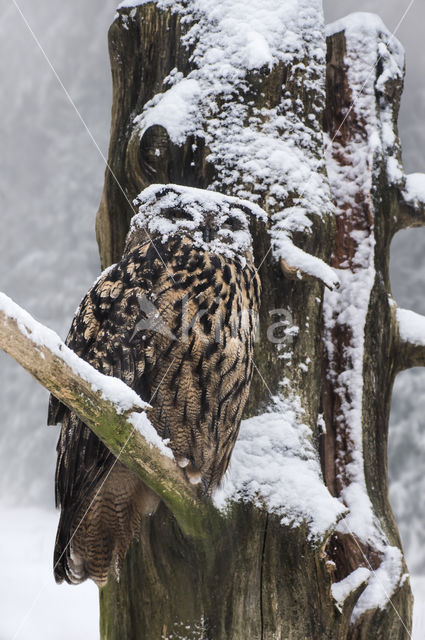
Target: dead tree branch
x,y
112,410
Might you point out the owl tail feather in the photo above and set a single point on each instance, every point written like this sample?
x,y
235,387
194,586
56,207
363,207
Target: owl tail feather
x,y
94,544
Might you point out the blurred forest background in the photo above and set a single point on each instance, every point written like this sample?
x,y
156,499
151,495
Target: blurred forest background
x,y
51,179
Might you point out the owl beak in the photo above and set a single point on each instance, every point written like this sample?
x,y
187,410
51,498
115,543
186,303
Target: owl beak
x,y
206,234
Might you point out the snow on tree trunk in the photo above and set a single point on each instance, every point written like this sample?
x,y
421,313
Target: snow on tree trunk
x,y
240,98
364,83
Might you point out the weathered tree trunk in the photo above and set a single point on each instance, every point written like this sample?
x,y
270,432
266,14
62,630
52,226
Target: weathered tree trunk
x,y
263,572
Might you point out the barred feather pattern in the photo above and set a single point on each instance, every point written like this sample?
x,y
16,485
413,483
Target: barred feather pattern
x,y
195,368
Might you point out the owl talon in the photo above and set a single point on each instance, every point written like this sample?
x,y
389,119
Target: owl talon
x,y
194,478
182,462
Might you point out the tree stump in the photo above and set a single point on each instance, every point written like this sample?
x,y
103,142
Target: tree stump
x,y
333,187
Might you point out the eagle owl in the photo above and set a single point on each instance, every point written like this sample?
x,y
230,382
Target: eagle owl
x,y
175,319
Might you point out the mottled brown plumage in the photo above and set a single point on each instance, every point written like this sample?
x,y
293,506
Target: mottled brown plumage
x,y
193,364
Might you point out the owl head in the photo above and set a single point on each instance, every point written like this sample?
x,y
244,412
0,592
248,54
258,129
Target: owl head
x,y
213,222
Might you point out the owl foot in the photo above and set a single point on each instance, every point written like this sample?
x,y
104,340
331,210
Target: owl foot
x,y
182,461
194,477
192,473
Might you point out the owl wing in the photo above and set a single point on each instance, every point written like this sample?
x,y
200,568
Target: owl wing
x,y
101,333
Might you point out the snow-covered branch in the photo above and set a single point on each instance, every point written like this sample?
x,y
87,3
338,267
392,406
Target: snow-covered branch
x,y
412,202
303,265
411,331
113,411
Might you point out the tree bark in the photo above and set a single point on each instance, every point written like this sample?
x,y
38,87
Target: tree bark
x,y
261,570
257,577
374,215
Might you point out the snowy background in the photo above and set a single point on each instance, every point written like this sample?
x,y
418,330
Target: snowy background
x,y
50,183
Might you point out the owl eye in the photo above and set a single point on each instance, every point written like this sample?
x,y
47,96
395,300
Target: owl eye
x,y
232,224
177,214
